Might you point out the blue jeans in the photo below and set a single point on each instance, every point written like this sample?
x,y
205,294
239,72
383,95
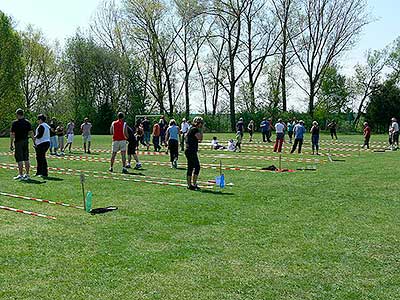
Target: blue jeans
x,y
314,141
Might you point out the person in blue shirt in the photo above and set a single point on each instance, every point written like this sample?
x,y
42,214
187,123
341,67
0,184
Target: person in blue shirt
x,y
172,139
298,131
265,128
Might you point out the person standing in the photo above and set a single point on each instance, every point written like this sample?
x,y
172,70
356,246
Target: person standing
x,y
251,129
21,130
86,128
315,137
172,139
240,127
146,132
42,144
193,137
332,128
290,130
298,131
70,135
269,133
184,130
53,137
280,135
156,137
132,148
395,133
119,132
367,135
265,125
163,129
60,137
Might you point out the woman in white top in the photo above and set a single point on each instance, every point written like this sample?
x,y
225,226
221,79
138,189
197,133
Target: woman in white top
x,y
42,144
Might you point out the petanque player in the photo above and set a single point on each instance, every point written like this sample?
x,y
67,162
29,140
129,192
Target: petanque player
x,y
147,132
172,140
132,147
264,129
21,130
183,132
395,133
194,136
332,128
119,132
366,134
53,136
280,135
86,128
42,144
156,137
315,137
251,129
299,130
70,135
60,137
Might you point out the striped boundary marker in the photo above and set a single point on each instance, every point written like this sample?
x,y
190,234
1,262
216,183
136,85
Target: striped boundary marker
x,y
27,212
40,200
74,173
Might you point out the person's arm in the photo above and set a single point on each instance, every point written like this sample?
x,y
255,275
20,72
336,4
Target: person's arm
x,y
40,132
125,131
167,135
112,128
12,140
199,136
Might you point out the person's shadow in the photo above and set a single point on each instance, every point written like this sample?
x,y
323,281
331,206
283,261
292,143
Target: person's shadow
x,y
52,179
32,181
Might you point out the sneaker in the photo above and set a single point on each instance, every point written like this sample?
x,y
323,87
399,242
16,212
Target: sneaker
x,y
138,166
128,166
19,177
124,170
191,187
110,170
196,188
62,153
26,177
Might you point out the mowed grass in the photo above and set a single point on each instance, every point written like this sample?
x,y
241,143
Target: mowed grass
x,y
329,234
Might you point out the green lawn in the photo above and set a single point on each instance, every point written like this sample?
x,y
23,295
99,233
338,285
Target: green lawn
x,y
329,234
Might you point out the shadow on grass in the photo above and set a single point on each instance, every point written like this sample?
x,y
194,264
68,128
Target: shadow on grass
x,y
52,179
221,193
32,181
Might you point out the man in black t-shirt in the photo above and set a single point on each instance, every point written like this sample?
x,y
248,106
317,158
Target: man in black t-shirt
x,y
53,137
21,129
193,137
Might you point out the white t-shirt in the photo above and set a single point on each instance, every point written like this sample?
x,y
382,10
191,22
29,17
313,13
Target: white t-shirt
x,y
46,134
279,127
395,127
231,146
185,127
214,143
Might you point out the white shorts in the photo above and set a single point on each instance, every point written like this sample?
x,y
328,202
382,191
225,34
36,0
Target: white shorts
x,y
119,146
70,138
87,138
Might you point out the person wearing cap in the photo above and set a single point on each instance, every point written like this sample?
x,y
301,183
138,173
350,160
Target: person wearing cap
x,y
86,128
119,131
395,133
315,137
240,127
251,129
21,130
367,134
183,132
298,131
193,137
42,144
280,135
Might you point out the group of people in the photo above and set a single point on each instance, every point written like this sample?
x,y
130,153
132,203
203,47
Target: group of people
x,y
125,139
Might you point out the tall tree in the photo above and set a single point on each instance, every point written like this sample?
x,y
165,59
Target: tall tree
x,y
11,71
325,29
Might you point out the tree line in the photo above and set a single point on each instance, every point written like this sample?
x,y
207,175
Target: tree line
x,y
176,57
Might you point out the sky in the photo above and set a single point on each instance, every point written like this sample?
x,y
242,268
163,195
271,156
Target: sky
x,y
59,19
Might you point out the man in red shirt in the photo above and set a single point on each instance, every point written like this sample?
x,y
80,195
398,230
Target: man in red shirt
x,y
119,132
367,135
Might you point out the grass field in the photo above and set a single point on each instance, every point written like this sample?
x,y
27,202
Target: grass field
x,y
329,234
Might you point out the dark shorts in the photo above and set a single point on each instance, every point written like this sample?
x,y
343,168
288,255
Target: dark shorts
x,y
21,151
132,146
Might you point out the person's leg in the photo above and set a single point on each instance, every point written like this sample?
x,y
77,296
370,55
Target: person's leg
x,y
276,144
190,168
123,156
113,155
300,145
45,147
84,145
269,134
27,167
20,168
331,134
196,170
264,135
296,141
89,143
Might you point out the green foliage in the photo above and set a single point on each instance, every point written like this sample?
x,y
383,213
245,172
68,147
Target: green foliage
x,y
384,104
11,72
